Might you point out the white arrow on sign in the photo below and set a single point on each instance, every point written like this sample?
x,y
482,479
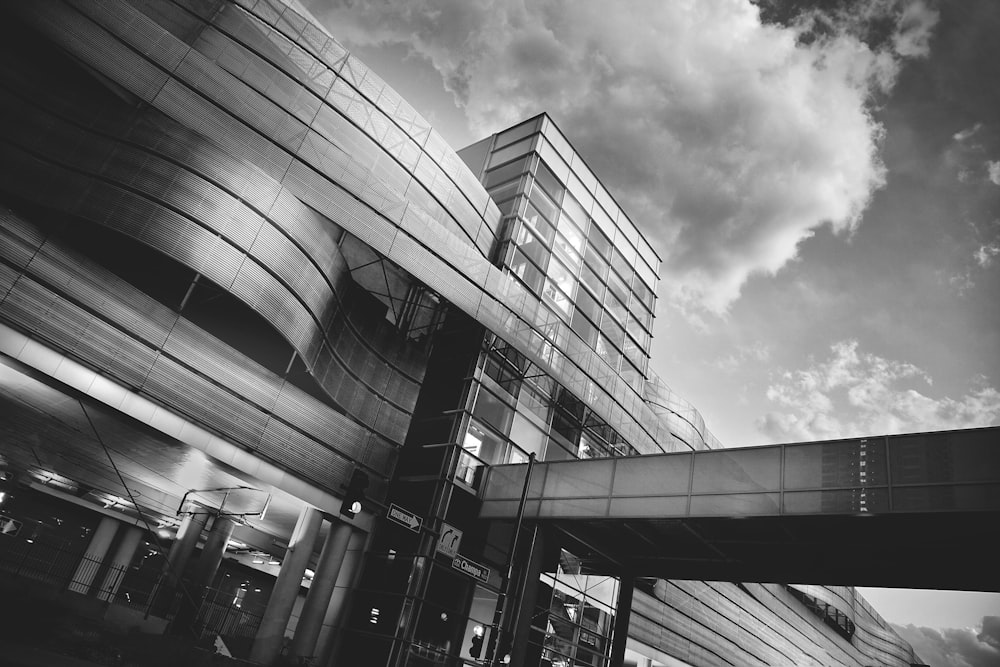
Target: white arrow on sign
x,y
450,540
404,518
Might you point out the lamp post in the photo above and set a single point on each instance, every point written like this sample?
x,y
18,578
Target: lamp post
x,y
500,613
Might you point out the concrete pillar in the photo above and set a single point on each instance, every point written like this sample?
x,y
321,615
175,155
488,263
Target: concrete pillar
x,y
120,561
271,633
623,613
321,590
97,549
183,546
177,558
205,569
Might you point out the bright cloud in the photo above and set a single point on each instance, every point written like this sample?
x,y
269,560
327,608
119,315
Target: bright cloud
x,y
852,393
993,171
956,647
986,253
728,140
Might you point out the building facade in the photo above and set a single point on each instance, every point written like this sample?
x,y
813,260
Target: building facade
x,y
243,281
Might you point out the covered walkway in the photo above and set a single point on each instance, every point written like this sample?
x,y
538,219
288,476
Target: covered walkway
x,y
910,511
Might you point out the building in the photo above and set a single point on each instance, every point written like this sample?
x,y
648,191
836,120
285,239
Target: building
x,y
244,284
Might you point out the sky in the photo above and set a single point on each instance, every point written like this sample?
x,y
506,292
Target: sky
x,y
823,186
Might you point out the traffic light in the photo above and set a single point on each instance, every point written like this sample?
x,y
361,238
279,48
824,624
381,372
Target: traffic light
x,y
476,647
355,494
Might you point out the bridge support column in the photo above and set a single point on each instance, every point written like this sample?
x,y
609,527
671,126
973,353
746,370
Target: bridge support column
x,y
130,538
271,634
97,550
521,630
623,612
317,602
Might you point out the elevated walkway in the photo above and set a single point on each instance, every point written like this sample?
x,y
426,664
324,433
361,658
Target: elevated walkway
x,y
909,511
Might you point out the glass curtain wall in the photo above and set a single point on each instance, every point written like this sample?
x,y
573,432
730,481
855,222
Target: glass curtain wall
x,y
559,240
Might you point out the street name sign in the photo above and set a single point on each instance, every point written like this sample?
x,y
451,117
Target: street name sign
x,y
471,568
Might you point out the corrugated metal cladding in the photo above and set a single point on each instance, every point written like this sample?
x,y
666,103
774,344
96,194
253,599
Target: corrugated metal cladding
x,y
84,152
368,160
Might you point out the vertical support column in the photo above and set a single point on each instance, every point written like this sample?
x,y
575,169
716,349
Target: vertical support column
x,y
205,569
183,546
521,627
321,590
267,644
623,613
120,562
177,558
97,549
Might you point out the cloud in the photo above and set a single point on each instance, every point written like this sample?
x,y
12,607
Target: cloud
x,y
852,393
755,352
993,171
967,133
956,647
986,253
728,140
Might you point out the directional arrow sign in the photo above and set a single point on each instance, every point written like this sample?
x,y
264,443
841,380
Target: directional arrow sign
x,y
404,517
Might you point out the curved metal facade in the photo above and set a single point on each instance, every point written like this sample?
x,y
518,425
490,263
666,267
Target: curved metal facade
x,y
275,92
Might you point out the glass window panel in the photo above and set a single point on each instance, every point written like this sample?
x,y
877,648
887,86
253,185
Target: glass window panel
x,y
567,254
737,504
842,463
527,435
556,450
510,152
614,332
572,208
530,245
505,191
734,470
492,410
648,276
600,243
544,204
591,279
846,501
571,234
618,287
505,173
524,269
549,182
944,457
556,297
584,327
615,307
603,220
538,223
609,352
636,477
562,277
622,266
483,443
580,191
515,133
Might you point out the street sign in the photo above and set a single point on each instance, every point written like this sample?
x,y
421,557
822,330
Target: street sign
x,y
404,518
471,568
449,541
9,526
